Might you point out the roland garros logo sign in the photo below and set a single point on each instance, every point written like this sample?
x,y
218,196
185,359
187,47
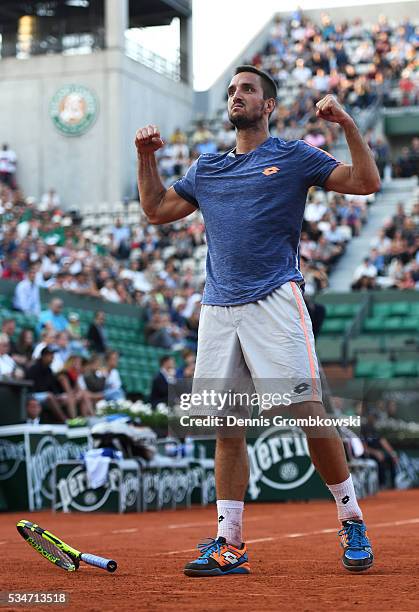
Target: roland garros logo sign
x,y
280,460
73,109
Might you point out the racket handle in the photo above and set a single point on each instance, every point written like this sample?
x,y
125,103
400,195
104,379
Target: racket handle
x,y
107,564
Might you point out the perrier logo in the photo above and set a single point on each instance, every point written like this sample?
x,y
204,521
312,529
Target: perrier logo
x,y
279,459
73,109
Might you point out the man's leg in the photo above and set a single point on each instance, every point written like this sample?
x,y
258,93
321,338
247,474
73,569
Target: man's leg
x,y
220,367
231,478
328,456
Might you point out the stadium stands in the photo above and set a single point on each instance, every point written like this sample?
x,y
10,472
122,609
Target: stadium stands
x,y
113,255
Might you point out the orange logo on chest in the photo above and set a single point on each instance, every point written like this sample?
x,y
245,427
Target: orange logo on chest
x,y
271,170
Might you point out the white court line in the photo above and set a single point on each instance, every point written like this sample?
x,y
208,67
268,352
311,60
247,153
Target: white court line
x,y
125,530
260,540
186,525
303,535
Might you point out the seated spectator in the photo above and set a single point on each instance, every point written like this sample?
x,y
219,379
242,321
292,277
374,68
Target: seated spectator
x,y
74,326
27,296
94,376
71,385
54,316
8,327
96,334
109,292
121,240
24,347
160,385
113,383
33,411
162,333
62,352
8,366
379,448
13,271
366,268
46,388
377,260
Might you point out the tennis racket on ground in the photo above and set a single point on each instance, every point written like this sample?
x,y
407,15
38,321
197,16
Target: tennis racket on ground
x,y
58,552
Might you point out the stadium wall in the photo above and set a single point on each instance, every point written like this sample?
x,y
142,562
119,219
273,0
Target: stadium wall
x,y
99,165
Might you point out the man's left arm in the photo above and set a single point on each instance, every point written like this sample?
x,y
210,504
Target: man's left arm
x,y
362,177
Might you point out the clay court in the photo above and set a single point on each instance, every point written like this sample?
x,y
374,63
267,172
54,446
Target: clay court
x,y
293,552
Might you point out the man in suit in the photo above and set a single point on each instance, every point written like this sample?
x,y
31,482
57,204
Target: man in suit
x,y
160,385
96,334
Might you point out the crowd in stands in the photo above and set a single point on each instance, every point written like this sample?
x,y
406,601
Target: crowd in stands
x,y
162,268
393,261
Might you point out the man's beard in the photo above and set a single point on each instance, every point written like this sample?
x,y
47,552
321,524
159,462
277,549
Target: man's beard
x,y
245,122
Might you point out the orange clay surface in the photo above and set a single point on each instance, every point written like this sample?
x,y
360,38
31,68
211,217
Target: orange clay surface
x,y
293,549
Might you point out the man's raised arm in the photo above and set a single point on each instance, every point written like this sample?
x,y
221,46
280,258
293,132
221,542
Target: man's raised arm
x,y
159,204
362,176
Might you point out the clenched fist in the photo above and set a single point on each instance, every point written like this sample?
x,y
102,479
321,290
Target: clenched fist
x,y
148,140
328,108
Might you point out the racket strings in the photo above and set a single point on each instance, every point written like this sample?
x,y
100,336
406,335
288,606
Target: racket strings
x,y
50,548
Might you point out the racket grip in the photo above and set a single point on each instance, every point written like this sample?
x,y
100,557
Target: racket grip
x,y
107,564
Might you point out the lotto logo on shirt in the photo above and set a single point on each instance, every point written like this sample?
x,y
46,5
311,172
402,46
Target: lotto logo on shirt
x,y
271,170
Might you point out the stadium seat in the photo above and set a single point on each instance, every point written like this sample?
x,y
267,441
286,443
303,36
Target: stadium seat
x,y
334,326
347,311
406,368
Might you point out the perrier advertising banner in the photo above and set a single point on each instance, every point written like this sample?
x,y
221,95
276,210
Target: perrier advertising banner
x,y
28,454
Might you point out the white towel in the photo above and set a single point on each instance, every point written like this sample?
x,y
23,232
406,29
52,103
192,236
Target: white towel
x,y
97,466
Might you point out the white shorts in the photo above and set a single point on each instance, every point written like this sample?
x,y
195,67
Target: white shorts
x,y
261,348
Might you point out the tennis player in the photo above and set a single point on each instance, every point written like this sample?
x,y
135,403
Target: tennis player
x,y
254,323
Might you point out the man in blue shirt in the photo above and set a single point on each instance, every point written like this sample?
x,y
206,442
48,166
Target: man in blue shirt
x,y
27,296
54,316
254,326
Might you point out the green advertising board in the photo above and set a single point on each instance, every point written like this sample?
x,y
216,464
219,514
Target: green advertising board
x,y
73,492
28,455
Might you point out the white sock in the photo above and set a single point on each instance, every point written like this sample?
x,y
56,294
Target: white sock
x,y
345,497
230,520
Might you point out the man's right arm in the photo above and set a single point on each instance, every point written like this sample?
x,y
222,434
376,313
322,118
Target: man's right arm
x,y
159,204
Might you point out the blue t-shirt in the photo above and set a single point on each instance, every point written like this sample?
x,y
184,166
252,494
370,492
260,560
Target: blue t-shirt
x,y
253,207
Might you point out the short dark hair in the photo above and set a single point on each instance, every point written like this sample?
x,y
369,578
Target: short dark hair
x,y
268,84
164,359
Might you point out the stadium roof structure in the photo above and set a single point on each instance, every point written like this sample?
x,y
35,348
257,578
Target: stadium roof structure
x,y
142,12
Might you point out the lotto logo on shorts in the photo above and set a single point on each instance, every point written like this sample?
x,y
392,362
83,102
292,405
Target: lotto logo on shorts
x,y
271,170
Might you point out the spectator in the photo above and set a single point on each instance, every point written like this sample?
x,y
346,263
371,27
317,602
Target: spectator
x,y
120,240
109,292
27,296
95,377
8,161
13,271
62,351
8,366
379,448
54,315
113,383
366,269
50,200
96,334
74,326
24,347
160,385
46,389
71,382
8,327
33,411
